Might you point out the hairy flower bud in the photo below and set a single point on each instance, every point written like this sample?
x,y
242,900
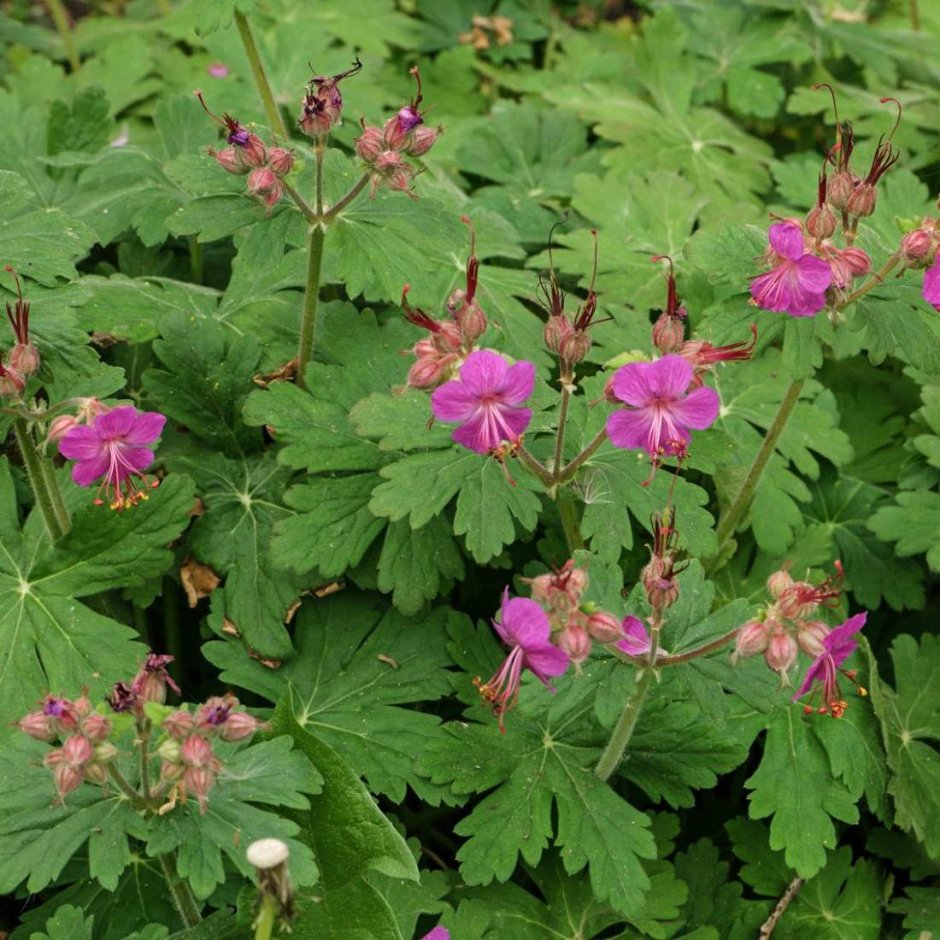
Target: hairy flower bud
x,y
573,347
36,725
370,143
96,728
659,582
170,751
422,140
840,187
576,642
821,221
431,371
779,582
918,249
230,160
556,329
196,751
150,683
264,184
11,382
199,781
322,105
810,636
669,332
752,638
858,261
861,201
239,726
781,652
604,627
60,426
63,715
280,160
24,358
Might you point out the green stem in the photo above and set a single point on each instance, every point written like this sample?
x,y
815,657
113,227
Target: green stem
x,y
876,279
300,202
318,150
562,420
39,480
534,466
915,16
570,522
58,503
338,207
180,890
308,325
733,516
144,741
261,79
623,730
61,19
264,922
135,798
567,472
195,259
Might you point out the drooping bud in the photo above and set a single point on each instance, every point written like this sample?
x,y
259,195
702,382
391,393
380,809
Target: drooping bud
x,y
322,105
264,184
36,725
810,636
918,249
230,160
604,627
60,426
370,143
575,641
239,726
781,652
779,582
752,638
280,160
422,140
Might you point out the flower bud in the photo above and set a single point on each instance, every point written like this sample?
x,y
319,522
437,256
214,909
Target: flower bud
x,y
604,627
36,725
264,184
230,161
556,329
104,753
150,683
668,332
96,727
779,582
781,652
472,322
431,371
170,751
573,347
861,201
196,751
239,726
858,261
11,382
251,153
199,781
810,636
66,777
574,641
821,221
917,249
24,358
797,601
95,773
840,187
76,751
398,130
280,160
752,638
61,426
62,714
370,143
662,588
422,140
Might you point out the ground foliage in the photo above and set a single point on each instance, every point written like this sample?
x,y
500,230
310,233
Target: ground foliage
x,y
358,554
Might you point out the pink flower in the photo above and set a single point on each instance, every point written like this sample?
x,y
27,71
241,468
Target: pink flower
x,y
931,288
112,448
438,933
524,626
217,69
486,400
660,413
637,641
798,283
838,645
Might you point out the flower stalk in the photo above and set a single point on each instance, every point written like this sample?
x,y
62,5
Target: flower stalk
x,y
42,482
61,19
623,731
261,79
267,914
308,324
180,891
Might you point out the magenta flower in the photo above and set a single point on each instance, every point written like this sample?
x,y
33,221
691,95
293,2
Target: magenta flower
x,y
838,645
637,641
660,412
931,288
524,626
486,400
438,933
112,448
797,284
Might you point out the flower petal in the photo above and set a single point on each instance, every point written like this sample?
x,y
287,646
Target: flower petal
x,y
136,458
786,238
631,383
931,288
817,670
147,428
117,422
669,377
454,401
630,429
85,472
525,622
814,274
698,409
840,643
546,661
81,443
483,371
518,383
636,641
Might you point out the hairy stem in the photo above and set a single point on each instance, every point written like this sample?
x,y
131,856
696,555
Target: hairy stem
x,y
664,660
64,28
308,325
319,149
58,503
534,466
570,522
567,472
179,888
339,206
768,926
562,420
136,800
264,922
42,483
732,517
144,742
623,730
873,281
300,202
261,79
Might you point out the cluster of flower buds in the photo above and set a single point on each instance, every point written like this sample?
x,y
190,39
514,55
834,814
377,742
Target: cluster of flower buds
x,y
919,251
567,337
384,148
669,335
449,341
84,752
789,624
22,361
189,763
247,153
660,577
321,108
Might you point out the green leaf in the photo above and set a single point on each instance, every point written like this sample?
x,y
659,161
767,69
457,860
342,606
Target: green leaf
x,y
68,923
910,719
795,785
233,536
921,910
355,666
843,902
913,523
350,837
83,126
899,323
764,869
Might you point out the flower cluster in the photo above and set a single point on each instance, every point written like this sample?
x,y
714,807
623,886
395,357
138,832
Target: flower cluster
x,y
384,148
247,153
551,630
23,360
321,108
110,447
84,752
189,763
448,341
790,624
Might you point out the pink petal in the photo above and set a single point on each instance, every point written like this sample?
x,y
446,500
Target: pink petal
x,y
81,443
546,661
698,409
840,643
147,428
814,274
85,472
630,430
632,383
490,426
931,288
816,671
137,458
117,422
484,371
786,238
454,401
669,377
519,383
636,641
525,622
